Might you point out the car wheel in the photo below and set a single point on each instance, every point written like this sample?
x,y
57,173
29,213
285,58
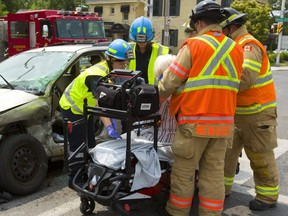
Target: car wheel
x,y
23,164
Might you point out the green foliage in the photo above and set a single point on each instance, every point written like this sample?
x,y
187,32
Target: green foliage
x,y
15,5
258,17
272,57
283,57
3,10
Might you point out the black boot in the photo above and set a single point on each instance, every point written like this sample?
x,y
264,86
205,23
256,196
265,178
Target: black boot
x,y
257,205
162,212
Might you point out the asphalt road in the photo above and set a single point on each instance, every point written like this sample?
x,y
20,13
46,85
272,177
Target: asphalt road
x,y
55,198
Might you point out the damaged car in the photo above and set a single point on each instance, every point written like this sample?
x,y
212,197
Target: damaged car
x,y
31,127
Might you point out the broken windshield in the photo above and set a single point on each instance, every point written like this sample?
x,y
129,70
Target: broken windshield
x,y
32,71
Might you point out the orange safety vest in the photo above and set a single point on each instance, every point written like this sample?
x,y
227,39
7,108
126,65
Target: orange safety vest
x,y
209,94
262,94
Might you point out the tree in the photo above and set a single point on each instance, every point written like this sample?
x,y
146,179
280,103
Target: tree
x,y
257,15
16,5
3,10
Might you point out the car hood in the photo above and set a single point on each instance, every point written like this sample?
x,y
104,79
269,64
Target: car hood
x,y
13,98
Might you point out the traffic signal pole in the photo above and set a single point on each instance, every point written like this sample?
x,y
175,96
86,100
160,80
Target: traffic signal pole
x,y
280,35
166,41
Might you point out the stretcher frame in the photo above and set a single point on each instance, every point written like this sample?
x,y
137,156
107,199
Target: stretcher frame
x,y
87,197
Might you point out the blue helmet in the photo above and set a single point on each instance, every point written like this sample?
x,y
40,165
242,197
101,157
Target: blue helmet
x,y
141,30
120,49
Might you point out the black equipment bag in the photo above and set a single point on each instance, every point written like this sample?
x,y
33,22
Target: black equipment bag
x,y
124,89
145,99
108,97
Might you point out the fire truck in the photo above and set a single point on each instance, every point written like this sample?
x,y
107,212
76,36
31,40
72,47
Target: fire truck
x,y
39,28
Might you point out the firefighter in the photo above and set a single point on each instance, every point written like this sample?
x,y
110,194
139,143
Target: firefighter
x,y
118,54
255,117
145,50
204,86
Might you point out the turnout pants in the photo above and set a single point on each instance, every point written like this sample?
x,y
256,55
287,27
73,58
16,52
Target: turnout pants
x,y
257,134
188,152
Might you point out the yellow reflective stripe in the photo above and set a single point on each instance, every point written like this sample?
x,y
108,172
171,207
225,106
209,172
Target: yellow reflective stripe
x,y
132,63
230,67
247,37
143,28
253,65
213,82
264,80
206,79
228,181
218,57
228,20
255,108
268,191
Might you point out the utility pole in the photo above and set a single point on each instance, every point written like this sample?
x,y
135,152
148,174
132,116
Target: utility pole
x,y
148,7
166,41
280,35
151,10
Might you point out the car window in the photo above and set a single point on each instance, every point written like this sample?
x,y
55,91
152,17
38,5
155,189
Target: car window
x,y
33,71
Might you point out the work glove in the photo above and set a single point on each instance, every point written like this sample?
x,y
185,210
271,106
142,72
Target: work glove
x,y
112,132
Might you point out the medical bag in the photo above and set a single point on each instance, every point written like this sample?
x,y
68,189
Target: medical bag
x,y
125,90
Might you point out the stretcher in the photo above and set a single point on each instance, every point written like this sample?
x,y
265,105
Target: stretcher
x,y
119,173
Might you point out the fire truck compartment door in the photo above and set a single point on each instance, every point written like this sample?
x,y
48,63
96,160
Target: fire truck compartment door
x,y
32,33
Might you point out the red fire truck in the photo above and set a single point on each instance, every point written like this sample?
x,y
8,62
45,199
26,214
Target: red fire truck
x,y
38,28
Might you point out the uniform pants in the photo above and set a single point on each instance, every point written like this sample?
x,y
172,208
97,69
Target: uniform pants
x,y
188,152
76,138
257,134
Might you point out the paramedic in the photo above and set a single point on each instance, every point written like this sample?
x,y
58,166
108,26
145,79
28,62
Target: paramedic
x,y
145,50
204,85
118,54
255,117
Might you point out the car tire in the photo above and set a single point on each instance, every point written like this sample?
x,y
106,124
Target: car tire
x,y
23,164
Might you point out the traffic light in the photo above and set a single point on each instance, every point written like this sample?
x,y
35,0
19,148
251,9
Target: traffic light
x,y
273,29
279,27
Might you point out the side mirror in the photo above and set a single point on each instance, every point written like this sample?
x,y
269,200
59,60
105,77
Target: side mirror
x,y
45,31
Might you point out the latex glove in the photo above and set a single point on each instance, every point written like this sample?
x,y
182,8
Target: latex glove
x,y
114,123
112,132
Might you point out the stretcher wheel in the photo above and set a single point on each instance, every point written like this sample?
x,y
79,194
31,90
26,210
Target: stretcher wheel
x,y
87,205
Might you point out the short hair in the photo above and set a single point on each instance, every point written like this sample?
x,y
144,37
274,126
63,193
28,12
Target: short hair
x,y
162,63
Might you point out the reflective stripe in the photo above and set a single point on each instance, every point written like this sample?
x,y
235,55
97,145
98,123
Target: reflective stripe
x,y
67,96
246,37
253,65
221,52
160,50
264,80
206,78
215,205
180,202
230,67
209,83
176,68
227,119
255,108
228,181
268,191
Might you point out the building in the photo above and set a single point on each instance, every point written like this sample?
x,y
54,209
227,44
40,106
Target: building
x,y
118,16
